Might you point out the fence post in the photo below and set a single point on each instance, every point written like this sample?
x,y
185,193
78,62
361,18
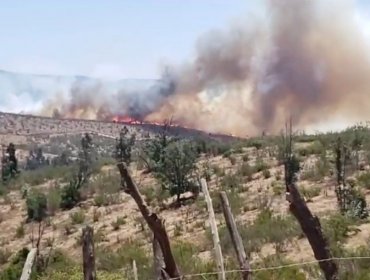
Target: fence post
x,y
216,239
27,268
235,237
88,253
134,268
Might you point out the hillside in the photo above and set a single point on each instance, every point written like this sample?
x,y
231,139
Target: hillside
x,y
250,171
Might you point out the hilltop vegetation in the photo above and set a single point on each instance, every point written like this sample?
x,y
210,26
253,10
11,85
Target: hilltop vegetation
x,y
72,181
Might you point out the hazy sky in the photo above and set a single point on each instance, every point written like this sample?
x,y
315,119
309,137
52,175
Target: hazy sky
x,y
110,38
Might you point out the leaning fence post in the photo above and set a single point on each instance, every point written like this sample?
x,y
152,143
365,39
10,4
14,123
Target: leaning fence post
x,y
88,253
27,268
235,237
216,239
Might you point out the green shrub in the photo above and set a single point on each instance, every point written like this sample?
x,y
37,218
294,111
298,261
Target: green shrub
x,y
260,165
337,227
267,228
219,172
315,148
310,193
150,194
53,200
287,273
101,200
118,223
364,180
186,257
277,188
4,255
266,173
36,206
14,270
114,261
70,195
246,170
74,272
19,232
77,217
230,181
245,157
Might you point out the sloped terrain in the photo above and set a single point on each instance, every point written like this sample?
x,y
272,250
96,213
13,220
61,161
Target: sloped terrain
x,y
249,171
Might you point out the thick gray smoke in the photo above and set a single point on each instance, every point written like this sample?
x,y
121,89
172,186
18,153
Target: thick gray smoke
x,y
308,59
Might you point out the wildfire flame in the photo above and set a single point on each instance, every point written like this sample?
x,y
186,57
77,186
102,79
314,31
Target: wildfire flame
x,y
131,120
125,119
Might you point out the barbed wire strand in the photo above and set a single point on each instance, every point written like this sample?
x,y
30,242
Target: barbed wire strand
x,y
272,267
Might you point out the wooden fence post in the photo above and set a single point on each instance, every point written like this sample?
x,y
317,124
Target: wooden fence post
x,y
27,268
88,253
235,237
134,268
216,239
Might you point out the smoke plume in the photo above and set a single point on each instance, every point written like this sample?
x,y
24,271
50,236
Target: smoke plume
x,y
307,59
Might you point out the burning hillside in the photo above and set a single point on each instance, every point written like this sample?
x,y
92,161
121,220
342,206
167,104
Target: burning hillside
x,y
303,59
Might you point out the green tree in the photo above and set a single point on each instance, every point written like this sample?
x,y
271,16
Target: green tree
x,y
124,146
177,168
70,194
154,149
9,163
36,206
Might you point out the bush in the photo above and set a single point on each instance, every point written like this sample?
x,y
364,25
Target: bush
x,y
19,232
77,217
14,270
265,229
310,193
219,172
4,255
315,148
118,223
74,272
185,254
70,195
232,160
246,170
266,173
287,273
101,200
230,181
114,261
277,188
245,157
54,200
364,180
260,165
337,227
36,206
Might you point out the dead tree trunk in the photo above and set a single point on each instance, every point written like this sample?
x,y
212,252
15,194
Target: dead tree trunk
x,y
216,239
27,268
311,227
88,253
160,273
154,222
235,237
309,223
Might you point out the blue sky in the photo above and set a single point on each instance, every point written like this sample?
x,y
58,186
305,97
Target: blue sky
x,y
109,38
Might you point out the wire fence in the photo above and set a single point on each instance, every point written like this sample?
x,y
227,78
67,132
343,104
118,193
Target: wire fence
x,y
188,276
